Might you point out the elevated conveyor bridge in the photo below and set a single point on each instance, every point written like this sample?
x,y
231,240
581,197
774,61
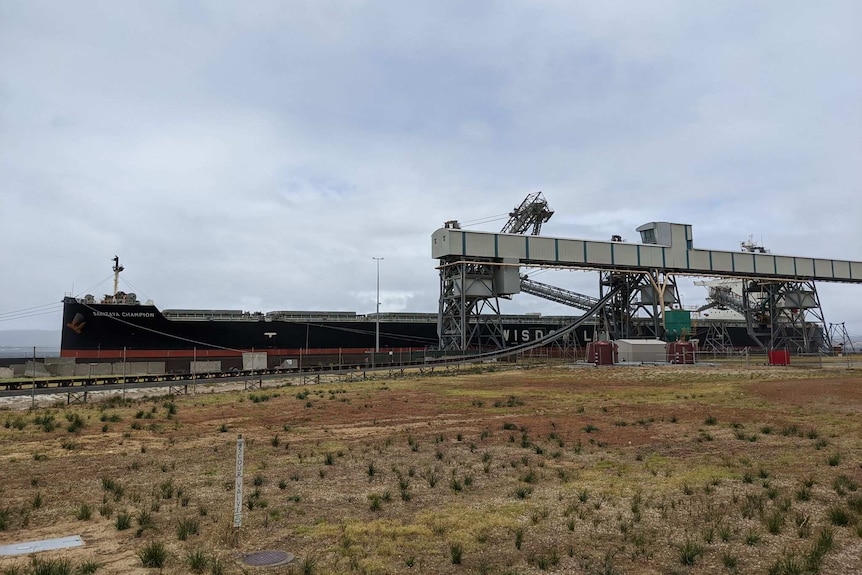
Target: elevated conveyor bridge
x,y
478,267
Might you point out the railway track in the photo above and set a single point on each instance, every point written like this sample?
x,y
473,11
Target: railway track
x,y
44,386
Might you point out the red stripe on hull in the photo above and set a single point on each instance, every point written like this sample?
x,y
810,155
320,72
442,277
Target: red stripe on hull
x,y
203,354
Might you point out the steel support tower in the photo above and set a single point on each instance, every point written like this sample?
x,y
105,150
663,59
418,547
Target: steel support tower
x,y
470,292
469,314
785,315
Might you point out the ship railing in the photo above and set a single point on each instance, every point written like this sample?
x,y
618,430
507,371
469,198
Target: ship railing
x,y
216,314
311,316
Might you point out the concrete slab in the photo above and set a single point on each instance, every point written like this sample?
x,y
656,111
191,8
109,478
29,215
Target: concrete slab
x,y
41,545
156,367
39,368
88,369
59,361
61,369
210,366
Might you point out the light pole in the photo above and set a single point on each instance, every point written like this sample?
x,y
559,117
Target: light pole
x,y
377,314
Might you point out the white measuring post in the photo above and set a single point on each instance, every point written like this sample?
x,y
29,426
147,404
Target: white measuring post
x,y
237,502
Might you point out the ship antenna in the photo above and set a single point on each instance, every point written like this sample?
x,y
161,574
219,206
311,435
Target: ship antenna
x,y
117,269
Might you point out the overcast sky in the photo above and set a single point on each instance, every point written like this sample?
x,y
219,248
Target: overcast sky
x,y
257,155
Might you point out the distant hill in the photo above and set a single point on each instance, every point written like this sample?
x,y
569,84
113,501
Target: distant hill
x,y
28,338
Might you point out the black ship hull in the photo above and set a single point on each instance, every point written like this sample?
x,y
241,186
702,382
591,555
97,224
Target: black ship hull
x,y
105,332
111,332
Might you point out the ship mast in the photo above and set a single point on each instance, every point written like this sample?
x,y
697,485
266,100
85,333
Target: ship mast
x,y
117,269
751,247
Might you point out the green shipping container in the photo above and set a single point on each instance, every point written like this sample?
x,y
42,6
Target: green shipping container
x,y
677,324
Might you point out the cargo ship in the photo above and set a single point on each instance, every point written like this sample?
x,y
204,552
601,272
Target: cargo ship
x,y
119,327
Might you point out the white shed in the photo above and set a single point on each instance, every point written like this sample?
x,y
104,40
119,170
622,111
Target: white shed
x,y
641,350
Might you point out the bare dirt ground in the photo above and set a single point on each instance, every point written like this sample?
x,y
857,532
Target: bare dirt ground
x,y
559,470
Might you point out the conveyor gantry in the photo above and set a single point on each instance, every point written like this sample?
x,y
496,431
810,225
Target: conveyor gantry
x,y
476,266
665,246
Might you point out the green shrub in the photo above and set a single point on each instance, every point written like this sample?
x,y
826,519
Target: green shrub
x,y
123,521
688,552
842,484
50,567
5,518
46,422
456,553
374,502
787,565
838,516
166,489
154,554
523,491
75,422
519,537
187,527
752,538
822,546
84,512
774,521
145,519
197,561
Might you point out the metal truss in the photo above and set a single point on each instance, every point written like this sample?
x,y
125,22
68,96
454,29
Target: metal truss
x,y
637,309
717,338
529,216
469,313
840,338
785,315
558,295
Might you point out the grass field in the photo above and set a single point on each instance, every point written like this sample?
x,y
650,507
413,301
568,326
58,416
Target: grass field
x,y
547,470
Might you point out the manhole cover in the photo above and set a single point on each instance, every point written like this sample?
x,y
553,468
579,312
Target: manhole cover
x,y
268,558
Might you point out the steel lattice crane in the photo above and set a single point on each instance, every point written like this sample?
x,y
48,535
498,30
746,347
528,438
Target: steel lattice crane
x,y
532,213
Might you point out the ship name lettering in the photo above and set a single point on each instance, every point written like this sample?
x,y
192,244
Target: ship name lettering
x,y
124,314
523,335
